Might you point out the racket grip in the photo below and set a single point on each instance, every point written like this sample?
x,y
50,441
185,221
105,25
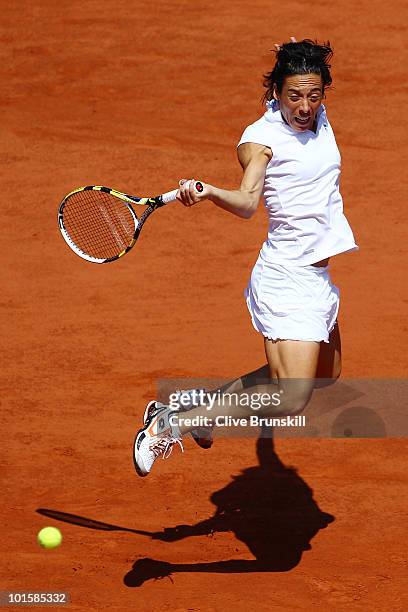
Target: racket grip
x,y
170,196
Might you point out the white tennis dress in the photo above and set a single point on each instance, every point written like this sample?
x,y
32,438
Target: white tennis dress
x,y
287,297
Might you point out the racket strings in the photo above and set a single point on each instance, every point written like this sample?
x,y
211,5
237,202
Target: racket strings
x,y
100,224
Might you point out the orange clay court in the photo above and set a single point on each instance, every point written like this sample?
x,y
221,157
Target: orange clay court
x,y
135,95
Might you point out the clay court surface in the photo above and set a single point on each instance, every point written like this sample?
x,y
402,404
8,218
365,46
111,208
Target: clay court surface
x,y
136,95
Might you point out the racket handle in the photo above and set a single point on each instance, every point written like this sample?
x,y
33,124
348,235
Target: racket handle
x,y
170,196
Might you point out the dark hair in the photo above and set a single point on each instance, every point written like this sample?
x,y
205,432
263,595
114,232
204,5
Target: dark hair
x,y
304,57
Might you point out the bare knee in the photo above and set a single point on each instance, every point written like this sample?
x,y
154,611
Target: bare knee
x,y
291,398
290,407
297,405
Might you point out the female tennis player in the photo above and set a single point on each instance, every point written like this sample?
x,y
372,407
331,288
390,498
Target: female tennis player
x,y
290,157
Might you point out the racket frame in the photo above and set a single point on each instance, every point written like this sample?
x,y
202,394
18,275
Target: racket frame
x,y
151,203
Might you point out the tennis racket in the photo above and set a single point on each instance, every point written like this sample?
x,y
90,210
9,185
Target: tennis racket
x,y
100,224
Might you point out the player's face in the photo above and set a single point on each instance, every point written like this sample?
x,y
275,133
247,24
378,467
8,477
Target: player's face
x,y
299,100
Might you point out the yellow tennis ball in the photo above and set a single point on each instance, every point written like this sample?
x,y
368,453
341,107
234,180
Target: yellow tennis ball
x,y
49,537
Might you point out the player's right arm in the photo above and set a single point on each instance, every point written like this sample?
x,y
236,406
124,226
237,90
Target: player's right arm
x,y
243,202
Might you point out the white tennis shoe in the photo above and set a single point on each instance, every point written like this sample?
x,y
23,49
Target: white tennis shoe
x,y
155,439
201,435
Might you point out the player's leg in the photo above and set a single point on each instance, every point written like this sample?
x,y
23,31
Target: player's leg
x,y
258,376
292,362
329,364
203,435
296,366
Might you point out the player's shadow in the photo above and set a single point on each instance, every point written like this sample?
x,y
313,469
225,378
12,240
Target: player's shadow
x,y
268,507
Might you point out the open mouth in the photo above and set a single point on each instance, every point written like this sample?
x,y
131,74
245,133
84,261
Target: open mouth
x,y
302,121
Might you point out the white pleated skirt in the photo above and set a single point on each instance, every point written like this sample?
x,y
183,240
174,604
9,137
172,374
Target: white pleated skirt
x,y
292,302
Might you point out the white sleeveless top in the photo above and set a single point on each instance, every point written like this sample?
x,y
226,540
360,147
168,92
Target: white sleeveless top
x,y
301,191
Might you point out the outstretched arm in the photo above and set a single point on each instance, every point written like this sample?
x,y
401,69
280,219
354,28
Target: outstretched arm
x,y
243,202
